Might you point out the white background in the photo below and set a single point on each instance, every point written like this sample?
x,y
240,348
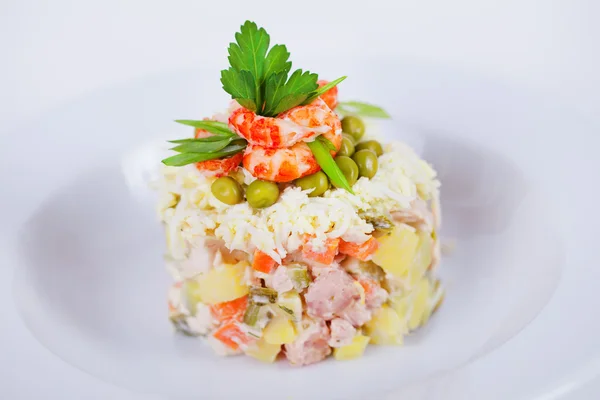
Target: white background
x,y
54,51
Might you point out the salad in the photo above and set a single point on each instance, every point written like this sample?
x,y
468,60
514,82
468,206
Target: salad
x,y
291,231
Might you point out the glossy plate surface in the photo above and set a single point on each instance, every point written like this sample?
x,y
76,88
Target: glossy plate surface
x,y
91,284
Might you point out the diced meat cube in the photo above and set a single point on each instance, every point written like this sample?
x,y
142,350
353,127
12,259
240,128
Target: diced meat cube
x,y
357,313
330,294
311,345
375,295
342,332
281,281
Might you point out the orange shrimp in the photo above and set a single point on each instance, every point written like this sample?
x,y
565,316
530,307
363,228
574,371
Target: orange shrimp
x,y
280,165
220,167
301,123
330,96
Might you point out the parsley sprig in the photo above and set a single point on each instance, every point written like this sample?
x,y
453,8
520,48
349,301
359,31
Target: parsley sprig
x,y
258,77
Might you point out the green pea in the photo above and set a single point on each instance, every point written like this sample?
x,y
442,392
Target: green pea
x,y
261,194
367,163
347,148
349,137
317,181
227,190
349,169
372,145
354,126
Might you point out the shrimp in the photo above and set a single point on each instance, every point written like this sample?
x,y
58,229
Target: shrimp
x,y
330,96
299,124
219,167
280,165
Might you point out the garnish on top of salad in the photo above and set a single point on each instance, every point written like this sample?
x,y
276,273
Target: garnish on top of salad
x,y
274,105
292,231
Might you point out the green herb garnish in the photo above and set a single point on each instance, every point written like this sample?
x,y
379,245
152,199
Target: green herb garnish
x,y
361,109
328,165
188,158
214,127
323,89
257,77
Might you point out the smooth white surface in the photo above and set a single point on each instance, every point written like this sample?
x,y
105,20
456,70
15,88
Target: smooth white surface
x,y
492,186
91,283
56,50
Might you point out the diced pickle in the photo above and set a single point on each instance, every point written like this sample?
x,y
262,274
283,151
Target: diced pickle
x,y
299,276
380,223
251,314
371,269
262,295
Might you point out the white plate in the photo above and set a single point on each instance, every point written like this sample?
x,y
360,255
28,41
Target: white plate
x,y
91,285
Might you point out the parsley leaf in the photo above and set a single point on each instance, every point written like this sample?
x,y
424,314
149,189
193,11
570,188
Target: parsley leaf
x,y
248,54
258,76
277,61
241,85
280,95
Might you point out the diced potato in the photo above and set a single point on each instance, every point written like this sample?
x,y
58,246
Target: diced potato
x,y
385,327
279,331
291,303
223,284
191,294
424,252
352,350
263,351
397,251
402,305
421,304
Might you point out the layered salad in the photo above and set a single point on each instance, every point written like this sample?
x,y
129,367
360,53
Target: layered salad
x,y
293,232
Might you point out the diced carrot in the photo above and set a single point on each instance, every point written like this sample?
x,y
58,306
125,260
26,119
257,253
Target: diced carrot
x,y
231,335
362,251
324,256
229,310
263,262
